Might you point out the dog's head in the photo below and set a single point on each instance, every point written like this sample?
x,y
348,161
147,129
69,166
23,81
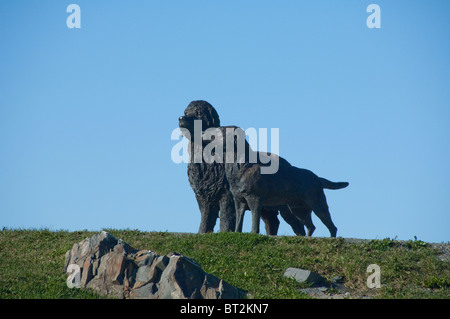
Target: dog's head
x,y
199,110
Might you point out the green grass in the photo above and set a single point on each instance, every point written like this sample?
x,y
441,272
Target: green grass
x,y
31,262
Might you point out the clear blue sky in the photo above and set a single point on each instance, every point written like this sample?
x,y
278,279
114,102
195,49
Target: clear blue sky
x,y
86,114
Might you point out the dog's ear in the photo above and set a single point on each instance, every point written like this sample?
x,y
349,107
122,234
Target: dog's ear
x,y
214,117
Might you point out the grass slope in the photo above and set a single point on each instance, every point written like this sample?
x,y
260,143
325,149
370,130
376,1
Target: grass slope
x,y
31,262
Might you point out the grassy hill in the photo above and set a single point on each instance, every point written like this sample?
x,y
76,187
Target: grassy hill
x,y
31,262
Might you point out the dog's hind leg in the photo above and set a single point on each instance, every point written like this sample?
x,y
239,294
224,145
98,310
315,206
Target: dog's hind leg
x,y
321,210
292,220
271,221
303,213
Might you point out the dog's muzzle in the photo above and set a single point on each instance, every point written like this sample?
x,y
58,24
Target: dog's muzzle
x,y
182,120
186,120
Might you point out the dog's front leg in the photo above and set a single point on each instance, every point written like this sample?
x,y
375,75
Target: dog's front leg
x,y
209,214
227,213
255,205
240,210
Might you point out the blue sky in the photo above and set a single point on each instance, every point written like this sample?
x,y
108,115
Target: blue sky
x,y
86,114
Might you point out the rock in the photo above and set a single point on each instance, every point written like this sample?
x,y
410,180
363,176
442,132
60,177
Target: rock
x,y
305,276
112,267
144,257
317,292
337,283
320,287
337,280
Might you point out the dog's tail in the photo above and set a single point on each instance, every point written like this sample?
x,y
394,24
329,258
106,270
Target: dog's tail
x,y
332,185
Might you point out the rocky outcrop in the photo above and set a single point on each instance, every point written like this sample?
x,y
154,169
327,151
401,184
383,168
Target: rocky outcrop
x,y
111,267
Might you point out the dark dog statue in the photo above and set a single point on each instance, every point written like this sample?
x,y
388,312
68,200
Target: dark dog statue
x,y
209,182
300,189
